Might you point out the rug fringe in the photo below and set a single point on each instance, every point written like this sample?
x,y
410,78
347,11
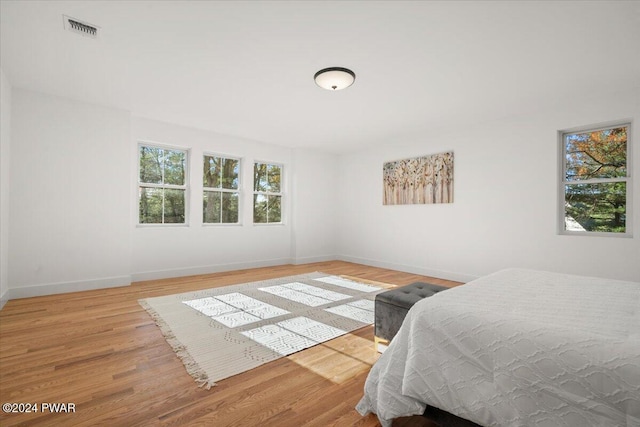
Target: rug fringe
x,y
193,369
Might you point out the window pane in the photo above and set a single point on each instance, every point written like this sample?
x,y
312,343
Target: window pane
x,y
220,207
211,175
598,154
230,208
174,206
273,173
174,166
273,214
596,207
260,177
151,165
150,207
211,207
230,170
259,208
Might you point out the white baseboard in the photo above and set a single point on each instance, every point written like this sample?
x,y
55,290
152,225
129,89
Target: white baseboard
x,y
206,269
111,282
217,268
66,287
440,274
312,259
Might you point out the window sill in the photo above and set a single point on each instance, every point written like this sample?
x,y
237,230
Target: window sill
x,y
595,234
161,225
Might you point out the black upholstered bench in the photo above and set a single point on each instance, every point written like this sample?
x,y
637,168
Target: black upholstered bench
x,y
391,307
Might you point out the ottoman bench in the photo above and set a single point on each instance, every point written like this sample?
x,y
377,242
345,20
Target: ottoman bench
x,y
392,306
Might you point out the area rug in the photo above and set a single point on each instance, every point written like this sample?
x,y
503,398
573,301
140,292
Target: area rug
x,y
221,332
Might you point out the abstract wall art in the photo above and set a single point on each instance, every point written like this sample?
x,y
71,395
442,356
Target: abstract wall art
x,y
419,180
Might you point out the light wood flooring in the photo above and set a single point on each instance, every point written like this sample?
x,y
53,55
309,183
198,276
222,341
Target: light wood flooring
x,y
101,351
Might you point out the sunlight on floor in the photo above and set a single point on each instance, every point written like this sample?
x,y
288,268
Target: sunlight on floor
x,y
340,359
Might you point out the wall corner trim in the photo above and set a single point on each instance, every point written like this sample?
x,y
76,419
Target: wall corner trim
x,y
3,299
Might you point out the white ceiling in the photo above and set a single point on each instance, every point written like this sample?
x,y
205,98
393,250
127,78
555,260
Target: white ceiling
x,y
246,68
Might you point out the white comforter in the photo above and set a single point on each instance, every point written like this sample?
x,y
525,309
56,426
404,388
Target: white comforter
x,y
517,348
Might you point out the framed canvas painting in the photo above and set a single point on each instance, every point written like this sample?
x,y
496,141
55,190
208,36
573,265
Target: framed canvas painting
x,y
419,180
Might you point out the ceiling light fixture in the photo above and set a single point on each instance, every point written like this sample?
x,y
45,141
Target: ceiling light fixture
x,y
334,78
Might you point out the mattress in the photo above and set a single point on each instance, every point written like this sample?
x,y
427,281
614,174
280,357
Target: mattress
x,y
516,348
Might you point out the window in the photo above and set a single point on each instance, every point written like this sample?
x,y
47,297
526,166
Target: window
x,y
161,185
221,190
267,193
596,181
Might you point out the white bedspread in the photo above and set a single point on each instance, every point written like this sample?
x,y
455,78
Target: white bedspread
x,y
517,348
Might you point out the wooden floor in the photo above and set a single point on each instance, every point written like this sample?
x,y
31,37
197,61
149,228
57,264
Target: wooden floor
x,y
102,352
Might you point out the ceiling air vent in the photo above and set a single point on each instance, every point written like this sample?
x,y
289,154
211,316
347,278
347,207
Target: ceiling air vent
x,y
79,27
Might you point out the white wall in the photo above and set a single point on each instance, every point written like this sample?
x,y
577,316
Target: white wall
x,y
5,154
315,191
73,210
74,213
70,196
505,201
160,251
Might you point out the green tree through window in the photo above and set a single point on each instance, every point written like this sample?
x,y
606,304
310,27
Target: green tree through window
x,y
596,179
221,194
161,185
267,193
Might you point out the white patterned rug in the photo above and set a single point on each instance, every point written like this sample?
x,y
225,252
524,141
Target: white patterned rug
x,y
221,332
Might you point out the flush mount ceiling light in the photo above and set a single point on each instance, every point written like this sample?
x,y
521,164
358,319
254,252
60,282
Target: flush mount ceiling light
x,y
334,78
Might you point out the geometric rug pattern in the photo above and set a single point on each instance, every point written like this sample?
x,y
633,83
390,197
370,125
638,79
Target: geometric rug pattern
x,y
224,331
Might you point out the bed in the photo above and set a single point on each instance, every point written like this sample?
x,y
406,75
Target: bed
x,y
516,348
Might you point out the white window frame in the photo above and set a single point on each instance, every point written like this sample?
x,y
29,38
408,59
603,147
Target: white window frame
x,y
184,187
268,193
563,182
224,190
